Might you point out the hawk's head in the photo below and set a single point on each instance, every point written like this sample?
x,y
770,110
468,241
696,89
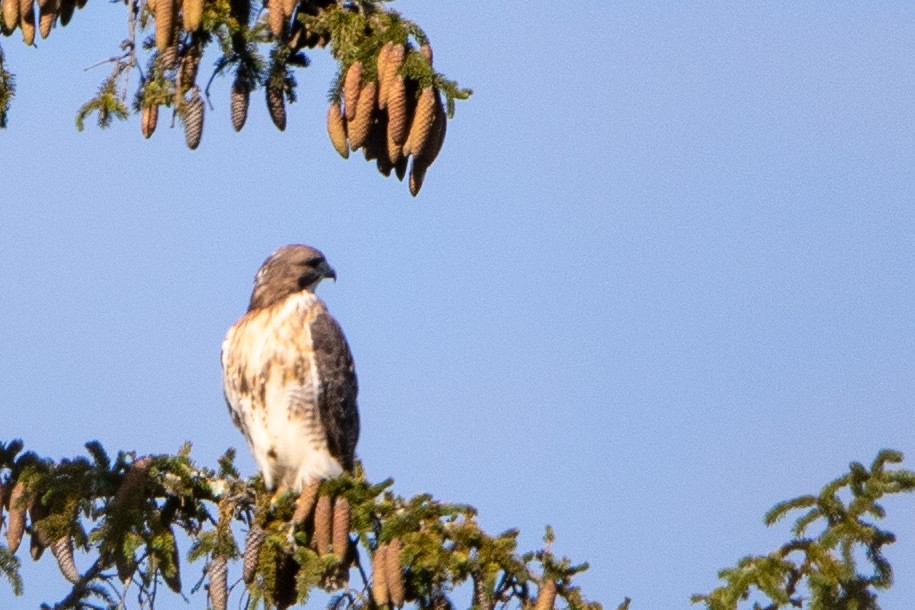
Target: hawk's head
x,y
288,270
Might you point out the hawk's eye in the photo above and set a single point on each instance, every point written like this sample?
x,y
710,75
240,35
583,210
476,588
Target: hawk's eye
x,y
314,261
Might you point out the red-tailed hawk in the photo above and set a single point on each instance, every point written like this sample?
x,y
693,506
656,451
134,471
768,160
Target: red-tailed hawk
x,y
288,375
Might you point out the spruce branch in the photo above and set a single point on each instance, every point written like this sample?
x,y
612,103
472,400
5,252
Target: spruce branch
x,y
818,569
127,513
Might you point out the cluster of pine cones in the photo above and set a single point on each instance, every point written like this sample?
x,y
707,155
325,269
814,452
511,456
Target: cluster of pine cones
x,y
390,118
21,14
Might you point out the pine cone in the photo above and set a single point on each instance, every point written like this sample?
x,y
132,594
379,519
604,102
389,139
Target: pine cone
x,y
305,503
218,574
276,104
400,168
167,59
393,575
426,50
421,126
322,530
241,94
47,16
417,175
546,596
482,598
15,526
381,66
165,24
193,121
132,484
189,66
365,109
336,129
66,11
392,63
253,544
192,14
62,548
340,536
352,84
149,119
126,565
27,21
276,18
379,584
10,10
397,112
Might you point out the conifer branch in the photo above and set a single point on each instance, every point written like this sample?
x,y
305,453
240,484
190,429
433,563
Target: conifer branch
x,y
125,513
819,569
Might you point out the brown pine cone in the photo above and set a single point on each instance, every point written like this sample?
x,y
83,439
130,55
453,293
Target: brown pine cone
x,y
253,544
417,175
27,21
276,104
66,11
393,575
15,525
191,14
132,484
218,574
149,119
193,120
365,109
39,539
340,536
276,18
62,548
305,503
336,130
47,16
421,126
400,168
241,94
352,84
379,583
165,24
10,10
323,525
392,64
546,596
397,112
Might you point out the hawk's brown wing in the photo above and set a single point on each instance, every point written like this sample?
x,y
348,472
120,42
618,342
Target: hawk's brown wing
x,y
337,399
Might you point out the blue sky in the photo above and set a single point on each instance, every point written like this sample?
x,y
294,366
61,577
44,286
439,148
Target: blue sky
x,y
661,276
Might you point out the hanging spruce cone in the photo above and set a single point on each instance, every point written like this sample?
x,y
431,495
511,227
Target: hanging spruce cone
x,y
340,537
190,64
392,63
218,574
482,598
62,549
276,104
148,120
193,120
417,175
336,130
191,14
253,544
15,526
66,11
381,67
421,126
27,21
546,596
358,129
10,9
305,502
276,18
165,24
397,114
131,487
47,16
376,142
426,50
323,525
241,94
400,168
393,575
352,84
379,584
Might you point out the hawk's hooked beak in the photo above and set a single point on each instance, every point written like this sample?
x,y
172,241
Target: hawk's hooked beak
x,y
328,272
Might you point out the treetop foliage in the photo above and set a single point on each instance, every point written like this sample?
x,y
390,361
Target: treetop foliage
x,y
385,60
820,567
129,514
